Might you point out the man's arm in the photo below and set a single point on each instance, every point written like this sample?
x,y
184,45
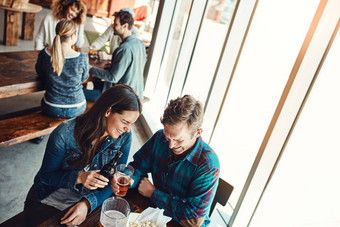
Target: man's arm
x,y
191,210
143,161
120,62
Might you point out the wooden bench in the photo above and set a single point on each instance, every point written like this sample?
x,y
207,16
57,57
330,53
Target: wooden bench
x,y
17,221
28,124
25,125
13,8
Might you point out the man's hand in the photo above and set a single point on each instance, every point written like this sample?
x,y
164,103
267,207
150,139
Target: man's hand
x,y
104,56
114,185
145,187
76,214
92,179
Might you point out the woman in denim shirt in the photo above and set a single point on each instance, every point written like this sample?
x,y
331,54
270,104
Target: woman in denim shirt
x,y
76,150
62,71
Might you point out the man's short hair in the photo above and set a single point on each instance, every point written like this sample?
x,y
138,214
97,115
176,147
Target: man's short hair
x,y
184,109
124,18
130,11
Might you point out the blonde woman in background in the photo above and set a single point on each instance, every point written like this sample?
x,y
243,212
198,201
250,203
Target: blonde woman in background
x,y
62,71
61,9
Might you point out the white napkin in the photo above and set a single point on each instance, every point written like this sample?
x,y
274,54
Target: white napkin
x,y
154,215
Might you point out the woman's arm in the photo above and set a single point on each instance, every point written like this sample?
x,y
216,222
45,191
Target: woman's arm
x,y
40,36
76,214
96,197
102,39
39,68
81,36
86,73
52,172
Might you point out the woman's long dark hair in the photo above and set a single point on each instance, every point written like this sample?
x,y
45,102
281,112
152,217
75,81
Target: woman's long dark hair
x,y
91,125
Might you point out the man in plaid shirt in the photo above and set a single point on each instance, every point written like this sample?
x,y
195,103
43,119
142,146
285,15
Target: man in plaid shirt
x,y
184,168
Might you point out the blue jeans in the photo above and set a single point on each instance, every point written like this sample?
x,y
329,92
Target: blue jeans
x,y
36,212
62,112
92,95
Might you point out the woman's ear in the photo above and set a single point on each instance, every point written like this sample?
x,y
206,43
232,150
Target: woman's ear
x,y
108,112
73,39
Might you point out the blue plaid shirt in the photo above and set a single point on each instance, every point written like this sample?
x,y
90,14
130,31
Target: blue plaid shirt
x,y
185,188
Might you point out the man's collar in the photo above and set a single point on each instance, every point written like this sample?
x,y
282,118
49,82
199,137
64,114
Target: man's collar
x,y
195,153
126,37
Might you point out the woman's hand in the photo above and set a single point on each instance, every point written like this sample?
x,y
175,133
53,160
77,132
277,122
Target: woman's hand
x,y
92,179
76,214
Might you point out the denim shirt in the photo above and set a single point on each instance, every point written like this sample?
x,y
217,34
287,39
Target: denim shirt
x,y
55,171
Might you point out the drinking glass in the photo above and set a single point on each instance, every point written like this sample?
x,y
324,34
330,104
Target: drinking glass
x,y
123,176
115,212
93,53
75,48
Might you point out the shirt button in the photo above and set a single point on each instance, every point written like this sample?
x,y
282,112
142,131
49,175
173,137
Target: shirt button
x,y
95,165
174,197
108,140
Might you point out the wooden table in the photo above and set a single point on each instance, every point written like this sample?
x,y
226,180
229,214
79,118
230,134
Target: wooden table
x,y
18,75
12,20
137,203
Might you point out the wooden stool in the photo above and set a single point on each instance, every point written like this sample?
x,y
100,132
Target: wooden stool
x,y
12,18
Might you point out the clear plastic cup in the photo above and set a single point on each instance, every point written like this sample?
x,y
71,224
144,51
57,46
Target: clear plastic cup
x,y
115,212
123,176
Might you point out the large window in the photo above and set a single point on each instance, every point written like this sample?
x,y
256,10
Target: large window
x,y
241,59
264,66
304,186
208,48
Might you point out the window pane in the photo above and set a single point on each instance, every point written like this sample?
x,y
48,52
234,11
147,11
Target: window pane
x,y
158,96
305,186
261,74
208,48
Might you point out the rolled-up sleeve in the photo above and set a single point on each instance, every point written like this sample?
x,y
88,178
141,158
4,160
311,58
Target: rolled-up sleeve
x,y
119,64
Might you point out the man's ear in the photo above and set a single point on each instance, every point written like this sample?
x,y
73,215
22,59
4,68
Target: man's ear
x,y
199,132
125,26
